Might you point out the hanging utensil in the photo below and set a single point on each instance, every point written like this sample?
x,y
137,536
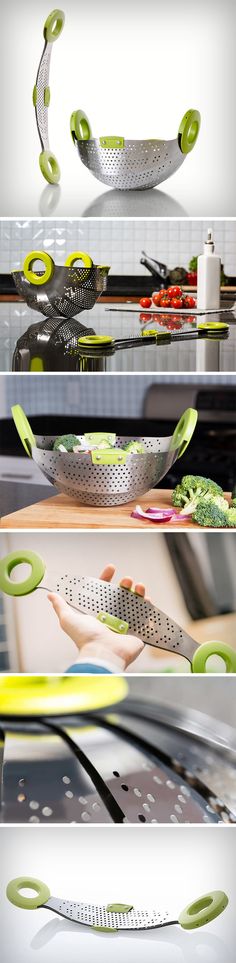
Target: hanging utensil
x,y
41,96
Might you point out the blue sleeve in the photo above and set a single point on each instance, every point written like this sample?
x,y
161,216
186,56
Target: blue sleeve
x,y
88,668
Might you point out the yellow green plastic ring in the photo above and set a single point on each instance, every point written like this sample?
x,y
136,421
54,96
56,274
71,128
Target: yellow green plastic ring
x,y
95,340
207,649
189,130
49,167
27,902
79,126
59,695
214,325
79,256
23,427
53,25
203,910
31,275
184,430
10,562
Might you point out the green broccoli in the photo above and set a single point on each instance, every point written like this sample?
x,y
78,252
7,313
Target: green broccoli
x,y
231,516
210,515
65,443
191,489
134,447
233,503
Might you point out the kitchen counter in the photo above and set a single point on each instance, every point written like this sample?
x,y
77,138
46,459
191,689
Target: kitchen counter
x,y
61,511
16,317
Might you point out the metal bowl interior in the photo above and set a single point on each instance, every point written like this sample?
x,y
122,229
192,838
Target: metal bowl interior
x,y
139,165
104,485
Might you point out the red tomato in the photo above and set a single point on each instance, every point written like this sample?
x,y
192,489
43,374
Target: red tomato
x,y
170,292
176,303
157,297
165,303
190,301
145,317
176,292
145,302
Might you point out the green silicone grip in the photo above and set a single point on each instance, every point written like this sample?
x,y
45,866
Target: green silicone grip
x,y
109,456
79,126
117,625
184,430
27,902
203,910
7,565
49,167
204,651
24,430
189,130
53,25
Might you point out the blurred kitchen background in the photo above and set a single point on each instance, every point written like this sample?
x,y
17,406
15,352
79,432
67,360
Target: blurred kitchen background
x,y
191,577
127,404
144,255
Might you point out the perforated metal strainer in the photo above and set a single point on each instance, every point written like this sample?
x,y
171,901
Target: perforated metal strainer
x,y
107,477
61,291
133,164
41,97
121,610
116,917
126,762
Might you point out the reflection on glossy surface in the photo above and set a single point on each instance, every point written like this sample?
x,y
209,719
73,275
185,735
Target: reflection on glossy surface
x,y
151,203
49,199
172,944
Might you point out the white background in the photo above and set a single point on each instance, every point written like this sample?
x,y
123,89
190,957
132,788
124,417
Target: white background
x,y
135,68
158,868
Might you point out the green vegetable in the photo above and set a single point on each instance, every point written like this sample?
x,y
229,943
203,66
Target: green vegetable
x,y
209,514
134,446
233,503
231,516
191,489
66,443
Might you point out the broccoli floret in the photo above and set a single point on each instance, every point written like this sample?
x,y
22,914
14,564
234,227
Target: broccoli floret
x,y
217,500
65,443
210,515
233,503
134,447
231,516
191,489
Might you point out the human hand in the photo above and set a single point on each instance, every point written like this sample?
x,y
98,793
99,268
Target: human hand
x,y
93,638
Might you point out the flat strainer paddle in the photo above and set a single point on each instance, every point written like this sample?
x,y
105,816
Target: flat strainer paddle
x,y
61,291
116,917
80,750
110,476
133,164
41,97
120,609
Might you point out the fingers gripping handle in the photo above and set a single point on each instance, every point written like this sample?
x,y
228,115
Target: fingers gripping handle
x,y
203,910
10,562
14,895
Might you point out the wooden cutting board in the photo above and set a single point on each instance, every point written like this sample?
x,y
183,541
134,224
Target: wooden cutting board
x,y
61,511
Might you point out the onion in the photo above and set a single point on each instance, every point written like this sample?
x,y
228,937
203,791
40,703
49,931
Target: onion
x,y
157,514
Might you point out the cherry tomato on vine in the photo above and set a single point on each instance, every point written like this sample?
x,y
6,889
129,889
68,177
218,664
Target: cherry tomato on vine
x,y
165,303
190,301
176,292
145,302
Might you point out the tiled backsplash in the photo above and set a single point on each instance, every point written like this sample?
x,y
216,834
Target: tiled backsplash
x,y
117,242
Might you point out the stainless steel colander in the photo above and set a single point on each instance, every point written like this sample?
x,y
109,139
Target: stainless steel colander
x,y
116,917
121,610
107,477
73,752
133,164
61,291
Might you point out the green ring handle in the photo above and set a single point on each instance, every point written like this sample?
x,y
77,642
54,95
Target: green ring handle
x,y
95,340
79,126
184,430
27,902
49,167
31,275
213,325
7,565
203,910
79,256
204,651
24,430
189,130
53,25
